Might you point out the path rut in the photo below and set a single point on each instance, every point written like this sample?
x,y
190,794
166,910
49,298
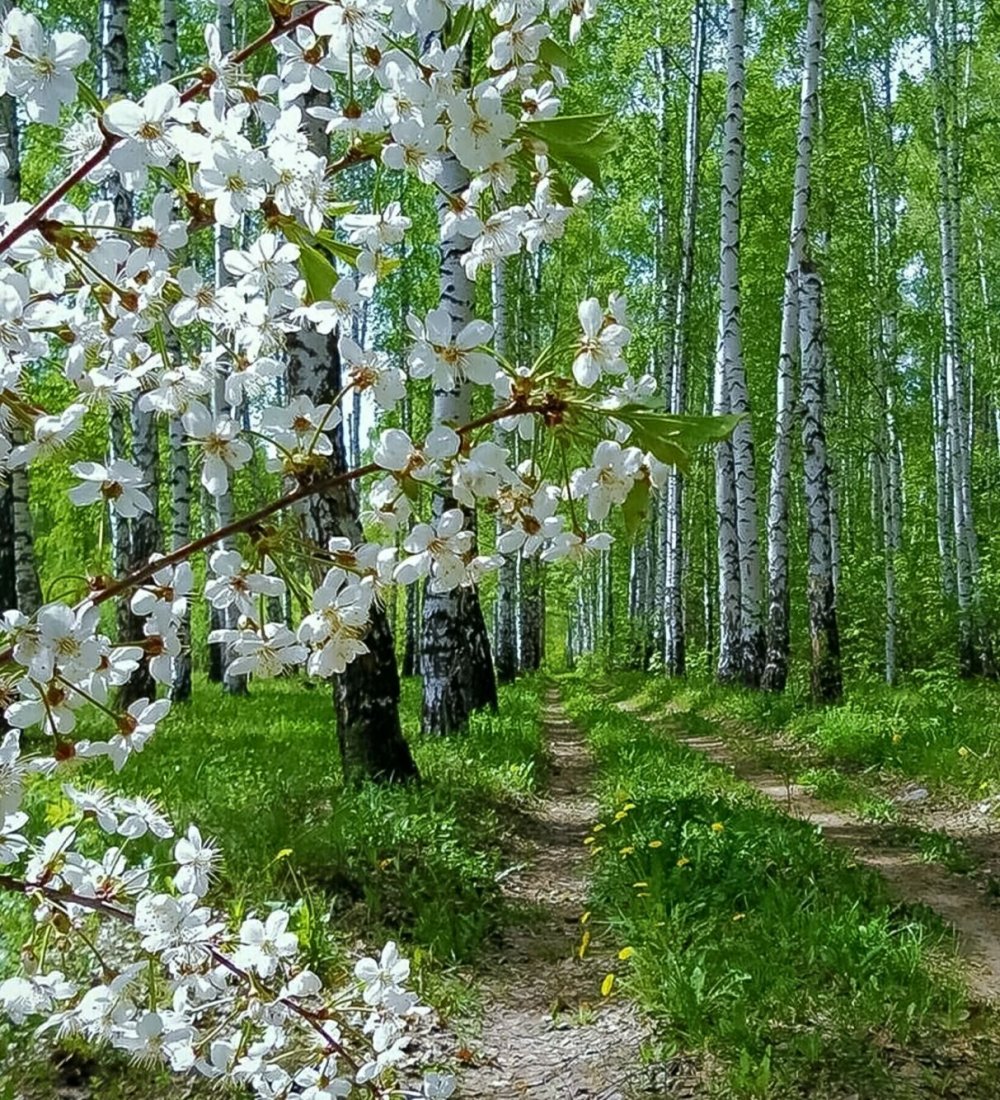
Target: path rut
x,y
955,899
547,1031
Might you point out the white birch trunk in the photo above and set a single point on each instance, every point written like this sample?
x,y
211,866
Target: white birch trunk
x,y
223,656
457,665
505,630
825,668
751,633
956,376
18,568
178,454
776,668
665,299
366,695
674,544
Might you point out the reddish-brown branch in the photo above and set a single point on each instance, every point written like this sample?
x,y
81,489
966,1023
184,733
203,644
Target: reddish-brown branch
x,y
126,916
310,488
34,217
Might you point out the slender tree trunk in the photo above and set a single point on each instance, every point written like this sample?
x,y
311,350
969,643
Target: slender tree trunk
x,y
942,480
728,552
956,376
826,676
776,668
221,656
179,456
665,632
680,354
457,665
18,569
505,634
752,639
113,17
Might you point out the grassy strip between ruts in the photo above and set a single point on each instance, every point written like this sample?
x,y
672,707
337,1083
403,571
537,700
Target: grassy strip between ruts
x,y
261,776
941,732
749,939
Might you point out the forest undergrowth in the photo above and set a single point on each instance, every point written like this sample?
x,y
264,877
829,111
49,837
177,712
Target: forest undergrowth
x,y
417,863
748,938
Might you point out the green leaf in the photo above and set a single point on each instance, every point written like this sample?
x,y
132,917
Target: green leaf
x,y
636,506
581,141
319,273
672,438
459,26
551,53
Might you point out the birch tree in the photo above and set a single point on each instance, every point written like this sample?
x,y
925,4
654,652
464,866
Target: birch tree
x,y
366,694
455,658
825,677
178,455
220,656
18,568
674,540
954,385
505,631
776,667
742,644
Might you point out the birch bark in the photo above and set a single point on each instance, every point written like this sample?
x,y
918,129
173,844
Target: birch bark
x,y
776,666
751,640
505,633
825,677
18,568
178,455
221,656
457,665
674,547
956,376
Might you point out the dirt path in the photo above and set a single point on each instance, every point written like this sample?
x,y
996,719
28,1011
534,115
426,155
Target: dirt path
x,y
956,899
547,1031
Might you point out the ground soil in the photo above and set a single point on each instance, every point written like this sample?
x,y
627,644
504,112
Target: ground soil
x,y
547,1032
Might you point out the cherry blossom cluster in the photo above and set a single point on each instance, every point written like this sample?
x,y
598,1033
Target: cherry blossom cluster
x,y
176,983
131,318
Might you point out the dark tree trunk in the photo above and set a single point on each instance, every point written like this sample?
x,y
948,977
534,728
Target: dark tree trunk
x,y
455,660
8,582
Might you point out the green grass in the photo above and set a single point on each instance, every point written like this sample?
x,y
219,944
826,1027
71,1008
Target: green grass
x,y
847,792
753,940
936,731
261,775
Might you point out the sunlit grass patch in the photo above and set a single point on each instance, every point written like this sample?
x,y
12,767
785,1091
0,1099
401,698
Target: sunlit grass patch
x,y
751,938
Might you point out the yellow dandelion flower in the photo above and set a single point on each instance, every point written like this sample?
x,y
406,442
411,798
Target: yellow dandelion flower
x,y
585,917
584,943
590,840
639,885
656,844
598,827
963,751
628,806
628,850
621,814
683,861
607,985
626,953
717,826
739,916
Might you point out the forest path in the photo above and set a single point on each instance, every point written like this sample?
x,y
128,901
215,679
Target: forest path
x,y
547,1031
954,898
